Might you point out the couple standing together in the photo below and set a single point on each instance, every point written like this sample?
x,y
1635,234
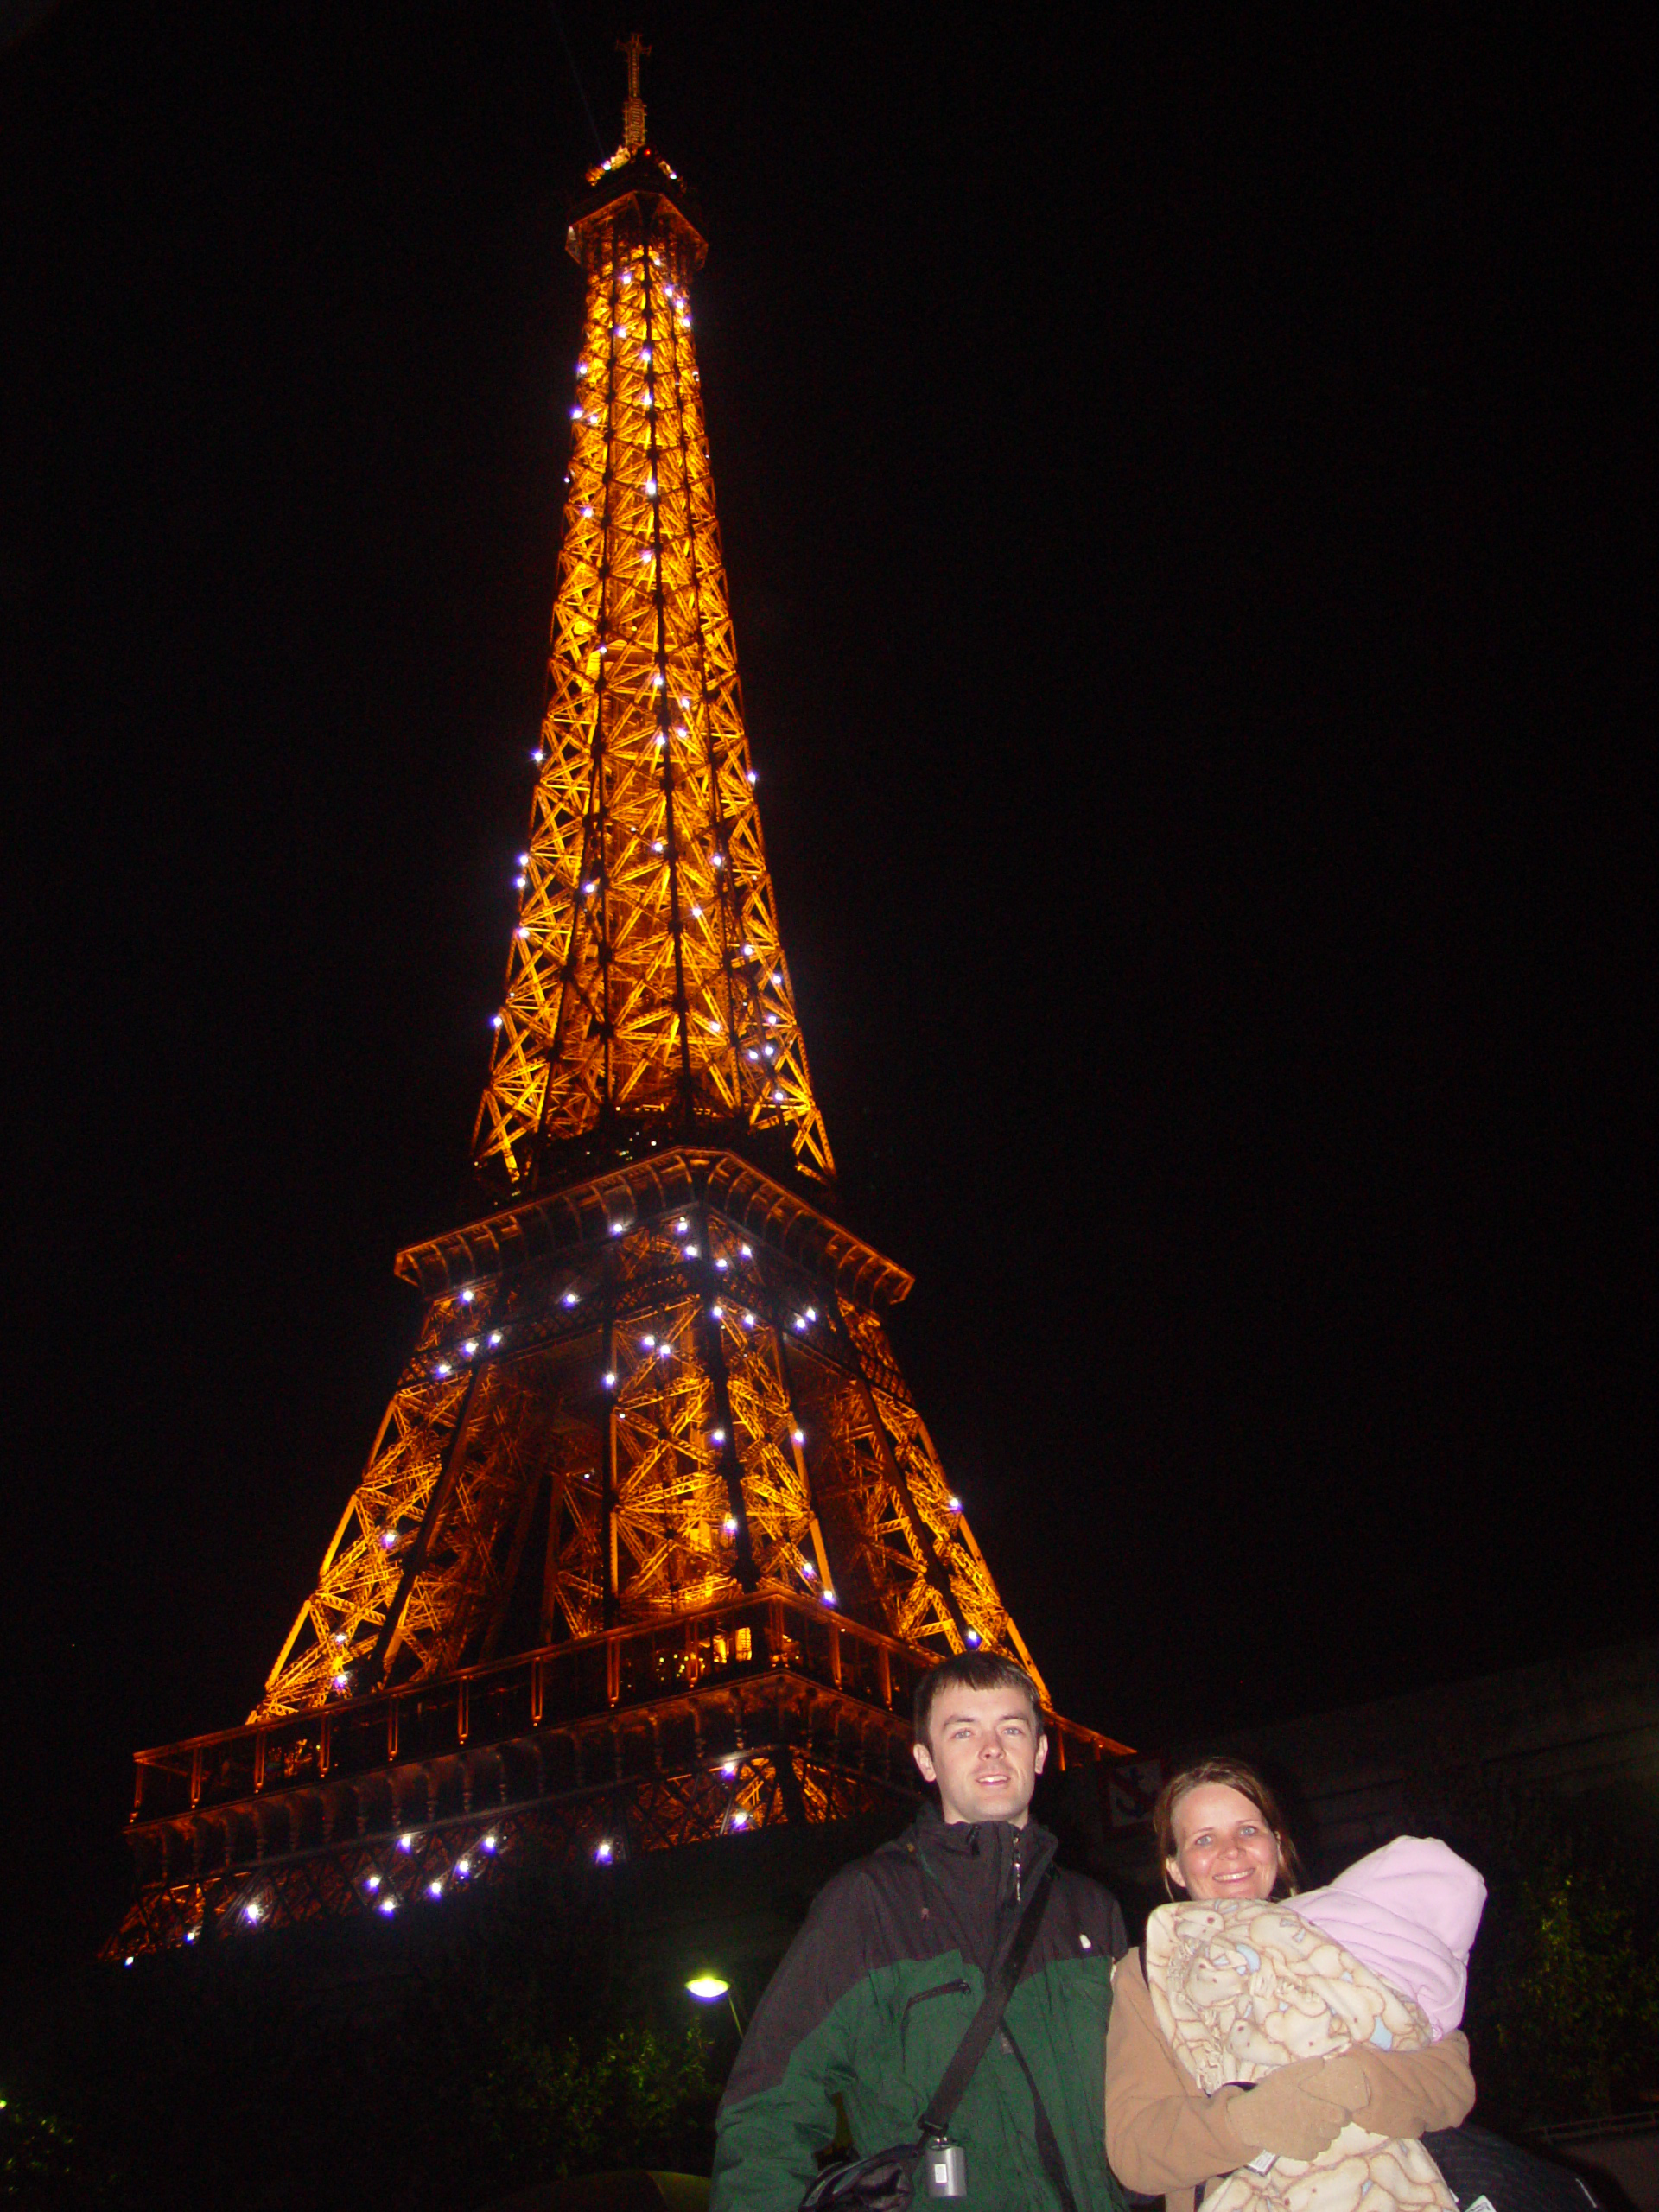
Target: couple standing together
x,y
878,1991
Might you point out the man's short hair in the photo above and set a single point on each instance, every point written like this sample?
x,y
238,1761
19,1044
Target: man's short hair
x,y
973,1670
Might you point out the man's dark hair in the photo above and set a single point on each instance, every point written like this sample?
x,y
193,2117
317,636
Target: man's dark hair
x,y
973,1670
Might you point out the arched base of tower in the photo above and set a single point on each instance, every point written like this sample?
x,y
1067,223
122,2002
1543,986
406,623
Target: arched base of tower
x,y
421,1866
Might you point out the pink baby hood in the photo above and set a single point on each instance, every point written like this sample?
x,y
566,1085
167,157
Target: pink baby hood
x,y
1409,1911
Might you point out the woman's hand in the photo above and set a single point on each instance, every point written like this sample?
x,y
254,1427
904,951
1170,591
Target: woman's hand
x,y
1399,2092
1342,2080
1285,2115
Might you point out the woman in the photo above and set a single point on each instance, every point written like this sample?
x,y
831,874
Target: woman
x,y
1220,1834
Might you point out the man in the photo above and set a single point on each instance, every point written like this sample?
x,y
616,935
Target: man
x,y
878,1989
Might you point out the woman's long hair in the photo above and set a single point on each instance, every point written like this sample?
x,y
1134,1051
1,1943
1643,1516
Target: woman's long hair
x,y
1231,1774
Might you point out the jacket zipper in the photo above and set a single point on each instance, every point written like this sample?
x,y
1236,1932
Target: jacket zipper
x,y
957,1989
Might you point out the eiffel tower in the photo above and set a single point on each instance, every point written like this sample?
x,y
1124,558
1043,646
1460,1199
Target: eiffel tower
x,y
652,1543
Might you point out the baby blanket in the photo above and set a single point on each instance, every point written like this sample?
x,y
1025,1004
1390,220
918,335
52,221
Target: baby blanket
x,y
1241,1987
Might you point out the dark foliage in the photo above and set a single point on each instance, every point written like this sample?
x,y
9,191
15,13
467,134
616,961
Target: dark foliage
x,y
506,2039
1563,2014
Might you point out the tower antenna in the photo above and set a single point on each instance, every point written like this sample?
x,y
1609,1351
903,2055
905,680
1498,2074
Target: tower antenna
x,y
633,108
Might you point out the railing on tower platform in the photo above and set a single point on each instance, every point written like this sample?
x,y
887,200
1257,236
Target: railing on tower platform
x,y
628,1670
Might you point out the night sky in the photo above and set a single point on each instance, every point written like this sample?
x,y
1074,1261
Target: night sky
x,y
1186,495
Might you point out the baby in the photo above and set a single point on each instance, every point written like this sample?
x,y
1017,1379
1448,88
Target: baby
x,y
1408,1911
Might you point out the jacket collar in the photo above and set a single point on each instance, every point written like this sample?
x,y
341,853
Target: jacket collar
x,y
995,1847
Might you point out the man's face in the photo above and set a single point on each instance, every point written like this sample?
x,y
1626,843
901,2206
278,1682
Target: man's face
x,y
985,1752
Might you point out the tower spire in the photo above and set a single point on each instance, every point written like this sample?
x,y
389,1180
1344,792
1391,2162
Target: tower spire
x,y
633,108
647,998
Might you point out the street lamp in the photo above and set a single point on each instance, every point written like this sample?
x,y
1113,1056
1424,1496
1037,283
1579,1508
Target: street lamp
x,y
709,1989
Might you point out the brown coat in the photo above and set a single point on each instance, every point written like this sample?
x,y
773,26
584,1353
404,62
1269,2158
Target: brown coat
x,y
1165,2137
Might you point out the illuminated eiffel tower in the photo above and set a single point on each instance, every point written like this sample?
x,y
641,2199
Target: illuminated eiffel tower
x,y
652,1542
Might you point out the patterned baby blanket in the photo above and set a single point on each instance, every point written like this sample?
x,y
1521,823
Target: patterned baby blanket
x,y
1241,1987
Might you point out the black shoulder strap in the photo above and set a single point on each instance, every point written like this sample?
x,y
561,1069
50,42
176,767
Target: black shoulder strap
x,y
935,2120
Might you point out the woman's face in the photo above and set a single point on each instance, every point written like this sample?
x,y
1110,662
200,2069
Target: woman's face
x,y
1223,1848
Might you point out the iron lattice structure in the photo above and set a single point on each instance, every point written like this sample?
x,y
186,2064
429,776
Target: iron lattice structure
x,y
664,1388
652,1541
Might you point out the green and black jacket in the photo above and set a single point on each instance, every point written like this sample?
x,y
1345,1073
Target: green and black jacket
x,y
877,1991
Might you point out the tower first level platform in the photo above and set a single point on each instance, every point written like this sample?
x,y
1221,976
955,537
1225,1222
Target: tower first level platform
x,y
736,1719
653,1546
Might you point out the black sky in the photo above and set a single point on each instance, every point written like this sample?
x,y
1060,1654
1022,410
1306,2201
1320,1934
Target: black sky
x,y
1186,492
